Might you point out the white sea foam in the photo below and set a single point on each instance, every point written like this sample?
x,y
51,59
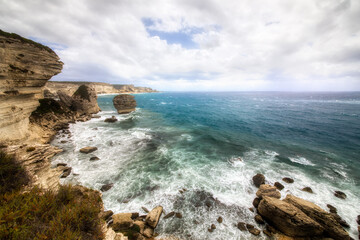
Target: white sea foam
x,y
301,160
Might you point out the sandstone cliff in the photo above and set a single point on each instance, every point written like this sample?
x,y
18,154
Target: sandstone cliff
x,y
25,67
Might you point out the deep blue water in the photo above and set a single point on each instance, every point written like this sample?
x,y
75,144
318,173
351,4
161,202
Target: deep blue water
x,y
194,141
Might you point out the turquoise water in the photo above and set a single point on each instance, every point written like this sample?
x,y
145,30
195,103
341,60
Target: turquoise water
x,y
195,140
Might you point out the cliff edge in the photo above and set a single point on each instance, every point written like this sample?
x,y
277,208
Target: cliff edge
x,y
25,67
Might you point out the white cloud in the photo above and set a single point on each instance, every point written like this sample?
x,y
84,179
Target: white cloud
x,y
243,45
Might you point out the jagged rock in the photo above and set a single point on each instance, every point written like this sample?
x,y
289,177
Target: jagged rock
x,y
256,202
341,221
268,190
307,189
169,215
288,180
124,103
85,100
241,226
106,187
340,194
331,227
105,215
332,209
153,216
220,219
111,120
288,218
258,179
94,158
66,172
66,100
122,221
259,219
279,186
88,149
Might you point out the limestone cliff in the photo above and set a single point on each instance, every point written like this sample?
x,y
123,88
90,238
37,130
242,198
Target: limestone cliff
x,y
25,67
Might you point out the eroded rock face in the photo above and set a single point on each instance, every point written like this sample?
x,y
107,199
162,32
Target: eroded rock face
x,y
124,103
288,219
268,190
85,100
153,216
25,67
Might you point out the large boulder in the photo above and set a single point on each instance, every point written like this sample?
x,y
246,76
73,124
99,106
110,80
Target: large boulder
x,y
258,179
124,103
85,100
288,219
331,227
268,190
153,216
122,221
88,149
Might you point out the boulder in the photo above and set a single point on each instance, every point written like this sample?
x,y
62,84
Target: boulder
x,y
252,229
111,120
88,149
268,190
288,180
106,187
66,172
124,103
258,179
153,216
94,158
307,189
85,100
340,194
178,215
288,219
241,226
331,227
256,202
220,219
259,219
122,221
332,209
279,186
358,219
145,209
213,226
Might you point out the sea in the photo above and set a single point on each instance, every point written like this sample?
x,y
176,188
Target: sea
x,y
195,153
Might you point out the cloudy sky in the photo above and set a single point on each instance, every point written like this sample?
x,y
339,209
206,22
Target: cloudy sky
x,y
198,45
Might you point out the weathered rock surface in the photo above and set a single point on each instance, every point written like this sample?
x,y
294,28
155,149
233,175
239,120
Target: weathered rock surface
x,y
268,190
85,100
153,216
88,149
122,221
124,103
288,180
331,227
25,67
307,189
288,219
279,186
258,179
340,194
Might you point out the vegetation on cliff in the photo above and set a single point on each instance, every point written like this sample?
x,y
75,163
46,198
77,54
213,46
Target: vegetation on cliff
x,y
70,213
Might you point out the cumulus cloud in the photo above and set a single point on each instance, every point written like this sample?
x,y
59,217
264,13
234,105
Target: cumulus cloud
x,y
198,45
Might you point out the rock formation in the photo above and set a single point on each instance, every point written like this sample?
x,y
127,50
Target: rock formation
x,y
85,100
25,66
124,103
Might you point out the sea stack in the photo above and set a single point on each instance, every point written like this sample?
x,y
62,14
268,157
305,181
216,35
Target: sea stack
x,y
124,103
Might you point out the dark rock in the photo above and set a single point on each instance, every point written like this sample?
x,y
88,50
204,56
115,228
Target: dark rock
x,y
111,120
254,231
210,230
95,116
220,219
106,187
341,221
258,179
105,215
358,219
256,202
307,189
134,215
268,190
279,186
169,215
94,158
251,209
267,233
30,149
332,209
241,226
88,149
124,103
178,215
145,209
213,226
340,194
61,165
288,180
259,219
66,172
63,141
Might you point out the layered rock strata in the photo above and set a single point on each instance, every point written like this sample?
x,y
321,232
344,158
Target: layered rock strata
x,y
124,103
25,67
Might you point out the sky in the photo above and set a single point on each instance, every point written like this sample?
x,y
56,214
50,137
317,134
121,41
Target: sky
x,y
198,45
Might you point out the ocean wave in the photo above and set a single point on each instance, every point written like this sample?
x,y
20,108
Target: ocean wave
x,y
301,160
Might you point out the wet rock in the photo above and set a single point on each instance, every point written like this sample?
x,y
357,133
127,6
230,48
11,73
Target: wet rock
x,y
256,202
61,165
122,221
66,172
178,215
111,120
94,158
267,233
258,179
358,219
134,215
259,219
153,216
254,231
288,218
213,226
124,103
251,209
268,190
241,226
220,219
279,186
105,215
331,227
307,189
210,230
63,141
145,209
340,194
88,149
288,180
332,209
106,187
169,215
341,221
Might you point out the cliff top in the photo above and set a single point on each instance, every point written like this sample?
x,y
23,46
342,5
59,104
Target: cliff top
x,y
25,40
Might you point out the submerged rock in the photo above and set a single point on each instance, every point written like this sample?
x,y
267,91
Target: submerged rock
x,y
124,103
88,149
288,180
111,120
332,209
106,187
258,179
94,158
169,215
